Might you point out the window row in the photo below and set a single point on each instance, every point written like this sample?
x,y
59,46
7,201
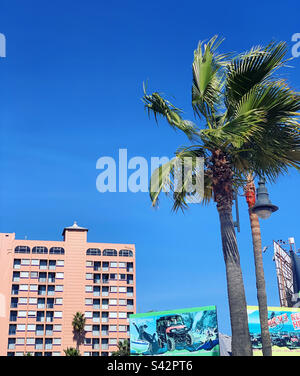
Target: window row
x,y
39,343
103,343
108,302
104,278
109,252
42,264
39,329
40,302
105,316
39,289
38,315
41,276
36,353
105,290
105,265
96,353
40,250
104,330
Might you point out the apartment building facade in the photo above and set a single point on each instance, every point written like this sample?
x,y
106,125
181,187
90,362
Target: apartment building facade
x,y
44,283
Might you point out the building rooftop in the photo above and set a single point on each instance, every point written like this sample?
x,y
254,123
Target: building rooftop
x,y
74,227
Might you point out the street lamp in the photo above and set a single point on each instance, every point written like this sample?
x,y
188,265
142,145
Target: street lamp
x,y
263,206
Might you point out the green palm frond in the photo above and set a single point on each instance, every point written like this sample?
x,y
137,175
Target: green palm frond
x,y
208,79
157,105
252,68
179,177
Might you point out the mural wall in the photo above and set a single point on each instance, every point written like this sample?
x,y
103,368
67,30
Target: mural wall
x,y
284,326
180,332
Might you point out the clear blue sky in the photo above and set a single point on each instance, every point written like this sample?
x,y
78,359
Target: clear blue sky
x,y
71,89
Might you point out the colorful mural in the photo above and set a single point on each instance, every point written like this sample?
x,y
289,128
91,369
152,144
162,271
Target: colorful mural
x,y
284,326
191,331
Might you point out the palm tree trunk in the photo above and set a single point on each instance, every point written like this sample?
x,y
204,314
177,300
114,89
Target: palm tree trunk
x,y
241,343
260,285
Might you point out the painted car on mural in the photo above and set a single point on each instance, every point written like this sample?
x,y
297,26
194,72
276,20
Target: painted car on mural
x,y
172,331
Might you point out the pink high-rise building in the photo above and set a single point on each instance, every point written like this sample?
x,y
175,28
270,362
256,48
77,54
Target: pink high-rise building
x,y
44,283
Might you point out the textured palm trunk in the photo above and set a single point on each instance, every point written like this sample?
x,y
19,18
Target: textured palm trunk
x,y
260,285
222,179
241,343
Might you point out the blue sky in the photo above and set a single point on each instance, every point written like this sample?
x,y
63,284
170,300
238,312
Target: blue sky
x,y
71,88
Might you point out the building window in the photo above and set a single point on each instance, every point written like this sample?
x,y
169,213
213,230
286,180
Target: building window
x,y
23,300
125,253
12,329
94,252
22,249
32,300
33,287
16,276
57,251
43,264
34,275
17,263
35,262
110,252
60,263
30,341
40,250
15,289
25,262
13,316
58,301
13,302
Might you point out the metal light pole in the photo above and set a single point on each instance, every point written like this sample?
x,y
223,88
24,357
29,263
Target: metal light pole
x,y
263,206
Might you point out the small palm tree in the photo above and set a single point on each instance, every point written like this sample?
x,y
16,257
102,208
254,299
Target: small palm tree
x,y
123,348
78,324
249,125
71,351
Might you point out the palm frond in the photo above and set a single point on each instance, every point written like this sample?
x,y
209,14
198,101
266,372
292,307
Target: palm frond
x,y
250,69
207,79
157,105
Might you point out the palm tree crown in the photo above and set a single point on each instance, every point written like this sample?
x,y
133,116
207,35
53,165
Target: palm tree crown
x,y
249,117
78,322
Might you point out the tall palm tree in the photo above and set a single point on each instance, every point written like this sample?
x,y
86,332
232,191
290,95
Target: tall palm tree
x,y
249,126
259,268
78,324
70,351
123,348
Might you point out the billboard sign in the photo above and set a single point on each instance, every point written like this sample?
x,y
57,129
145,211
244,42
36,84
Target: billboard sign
x,y
191,331
284,327
284,271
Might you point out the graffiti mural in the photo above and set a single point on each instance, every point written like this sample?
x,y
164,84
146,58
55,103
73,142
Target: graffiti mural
x,y
180,332
284,327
